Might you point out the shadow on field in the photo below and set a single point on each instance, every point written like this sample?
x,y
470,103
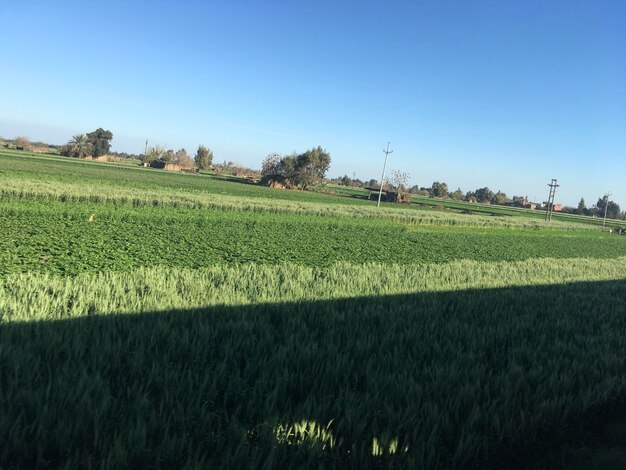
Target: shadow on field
x,y
481,378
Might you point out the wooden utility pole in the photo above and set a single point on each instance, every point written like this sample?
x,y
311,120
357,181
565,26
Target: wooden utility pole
x,y
550,207
382,179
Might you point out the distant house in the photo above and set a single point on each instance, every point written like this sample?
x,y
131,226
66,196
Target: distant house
x,y
555,207
172,166
524,203
165,165
101,158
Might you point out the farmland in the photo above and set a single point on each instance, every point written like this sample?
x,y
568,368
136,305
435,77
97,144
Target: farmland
x,y
155,319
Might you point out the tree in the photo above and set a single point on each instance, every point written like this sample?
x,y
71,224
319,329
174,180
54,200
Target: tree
x,y
300,169
438,190
271,165
79,146
613,210
203,158
499,198
308,167
154,153
582,208
481,195
399,180
22,142
101,141
457,195
168,156
183,159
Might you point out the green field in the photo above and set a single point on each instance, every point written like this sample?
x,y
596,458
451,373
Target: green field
x,y
479,208
153,319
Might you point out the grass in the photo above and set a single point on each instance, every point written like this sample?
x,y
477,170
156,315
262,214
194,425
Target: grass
x,y
93,237
54,296
478,208
64,170
58,176
451,379
151,319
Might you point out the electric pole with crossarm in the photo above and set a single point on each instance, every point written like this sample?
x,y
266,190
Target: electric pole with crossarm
x,y
550,207
382,179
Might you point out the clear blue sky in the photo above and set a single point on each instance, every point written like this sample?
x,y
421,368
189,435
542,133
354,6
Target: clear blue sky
x,y
482,93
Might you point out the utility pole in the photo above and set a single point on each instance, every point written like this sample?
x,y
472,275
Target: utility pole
x,y
550,208
382,179
606,206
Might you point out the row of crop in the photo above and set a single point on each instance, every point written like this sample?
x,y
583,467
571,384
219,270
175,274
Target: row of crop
x,y
486,208
103,193
70,238
479,378
45,296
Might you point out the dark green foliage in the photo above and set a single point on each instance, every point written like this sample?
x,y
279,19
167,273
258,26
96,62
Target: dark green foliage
x,y
457,195
582,208
203,158
499,198
311,166
301,169
101,141
79,146
438,190
123,237
480,195
477,379
611,208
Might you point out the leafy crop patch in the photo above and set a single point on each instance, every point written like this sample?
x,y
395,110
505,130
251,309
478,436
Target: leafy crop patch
x,y
70,238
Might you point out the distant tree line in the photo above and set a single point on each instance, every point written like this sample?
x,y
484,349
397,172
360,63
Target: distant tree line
x,y
613,210
156,155
483,195
98,143
24,143
130,156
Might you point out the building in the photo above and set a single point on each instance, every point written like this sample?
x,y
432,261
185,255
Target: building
x,y
524,203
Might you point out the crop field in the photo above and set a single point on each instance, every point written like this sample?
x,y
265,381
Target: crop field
x,y
159,320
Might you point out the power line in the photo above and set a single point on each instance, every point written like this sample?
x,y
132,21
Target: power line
x,y
382,179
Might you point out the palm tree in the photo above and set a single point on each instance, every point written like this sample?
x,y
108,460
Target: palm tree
x,y
79,146
154,153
